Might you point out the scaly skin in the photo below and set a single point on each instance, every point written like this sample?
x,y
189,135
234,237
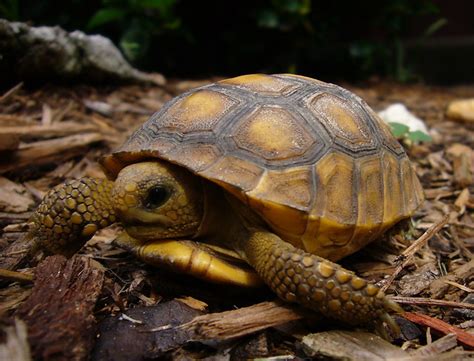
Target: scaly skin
x,y
316,283
71,213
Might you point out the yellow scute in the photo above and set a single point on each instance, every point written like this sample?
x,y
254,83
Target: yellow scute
x,y
199,111
335,196
341,119
273,133
202,104
260,83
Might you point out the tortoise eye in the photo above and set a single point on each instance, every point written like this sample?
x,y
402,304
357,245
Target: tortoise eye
x,y
156,197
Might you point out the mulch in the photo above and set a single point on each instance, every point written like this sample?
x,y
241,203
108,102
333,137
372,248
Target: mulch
x,y
54,133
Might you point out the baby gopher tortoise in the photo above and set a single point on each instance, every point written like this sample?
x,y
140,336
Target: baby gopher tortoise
x,y
284,172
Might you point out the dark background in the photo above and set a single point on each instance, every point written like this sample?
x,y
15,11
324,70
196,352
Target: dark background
x,y
407,40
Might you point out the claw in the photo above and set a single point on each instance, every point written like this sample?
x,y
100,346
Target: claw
x,y
381,331
392,305
392,324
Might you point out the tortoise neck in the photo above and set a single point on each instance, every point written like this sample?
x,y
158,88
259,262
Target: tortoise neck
x,y
224,221
215,214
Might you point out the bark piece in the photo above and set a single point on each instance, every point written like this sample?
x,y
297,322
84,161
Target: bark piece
x,y
143,332
19,252
350,345
241,322
59,312
45,53
414,283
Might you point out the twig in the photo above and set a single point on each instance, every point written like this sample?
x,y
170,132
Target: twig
x,y
132,320
16,276
408,254
465,225
431,302
461,287
441,326
11,92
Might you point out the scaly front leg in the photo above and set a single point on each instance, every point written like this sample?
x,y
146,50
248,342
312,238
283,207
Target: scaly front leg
x,y
71,213
193,258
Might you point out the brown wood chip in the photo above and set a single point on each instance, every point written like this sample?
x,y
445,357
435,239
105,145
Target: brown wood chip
x,y
48,151
440,326
348,346
240,322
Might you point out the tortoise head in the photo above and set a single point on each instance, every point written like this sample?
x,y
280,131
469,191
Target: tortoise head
x,y
153,200
157,200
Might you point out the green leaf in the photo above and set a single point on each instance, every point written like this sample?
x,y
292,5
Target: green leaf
x,y
104,16
419,136
399,130
434,27
135,41
268,19
10,10
302,7
163,5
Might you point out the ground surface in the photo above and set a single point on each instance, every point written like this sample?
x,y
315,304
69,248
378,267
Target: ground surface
x,y
54,133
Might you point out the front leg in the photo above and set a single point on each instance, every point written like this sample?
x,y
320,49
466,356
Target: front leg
x,y
71,213
194,258
297,276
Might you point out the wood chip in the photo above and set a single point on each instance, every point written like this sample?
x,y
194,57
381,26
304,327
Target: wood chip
x,y
241,322
351,346
441,345
440,326
439,287
59,312
462,158
61,129
193,303
407,255
9,142
48,151
14,197
16,347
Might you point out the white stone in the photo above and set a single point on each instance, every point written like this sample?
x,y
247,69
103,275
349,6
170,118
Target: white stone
x,y
398,113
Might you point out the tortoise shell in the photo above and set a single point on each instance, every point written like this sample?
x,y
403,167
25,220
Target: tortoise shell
x,y
311,158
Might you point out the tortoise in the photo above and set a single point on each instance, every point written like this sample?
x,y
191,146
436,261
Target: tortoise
x,y
284,172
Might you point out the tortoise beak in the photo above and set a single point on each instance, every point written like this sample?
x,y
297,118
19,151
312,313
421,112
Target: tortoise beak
x,y
138,216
